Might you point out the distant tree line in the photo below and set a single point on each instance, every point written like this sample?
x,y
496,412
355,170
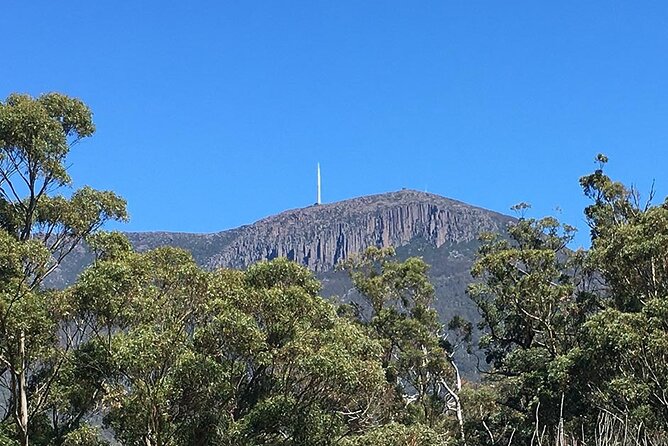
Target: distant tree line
x,y
149,349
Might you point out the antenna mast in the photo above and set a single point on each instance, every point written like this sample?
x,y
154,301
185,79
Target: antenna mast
x,y
318,197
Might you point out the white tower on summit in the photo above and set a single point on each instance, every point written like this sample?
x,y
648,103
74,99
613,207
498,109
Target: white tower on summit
x,y
318,201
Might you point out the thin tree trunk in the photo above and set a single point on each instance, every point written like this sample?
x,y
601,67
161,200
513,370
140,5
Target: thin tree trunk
x,y
23,396
454,394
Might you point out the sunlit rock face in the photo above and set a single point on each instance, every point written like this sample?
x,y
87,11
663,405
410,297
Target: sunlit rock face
x,y
320,236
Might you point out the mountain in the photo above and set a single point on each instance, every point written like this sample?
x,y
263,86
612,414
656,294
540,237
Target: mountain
x,y
442,231
319,236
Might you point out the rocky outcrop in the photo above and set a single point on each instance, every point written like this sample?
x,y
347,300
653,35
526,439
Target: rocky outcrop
x,y
319,236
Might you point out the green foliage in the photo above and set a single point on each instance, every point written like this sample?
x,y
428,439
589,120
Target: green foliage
x,y
7,435
155,298
529,300
417,355
571,335
36,134
394,434
299,374
38,229
109,245
628,339
223,358
84,436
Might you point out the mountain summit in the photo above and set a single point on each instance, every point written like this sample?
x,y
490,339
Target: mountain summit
x,y
319,236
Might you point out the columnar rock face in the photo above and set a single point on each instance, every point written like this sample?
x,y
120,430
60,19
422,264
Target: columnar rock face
x,y
321,235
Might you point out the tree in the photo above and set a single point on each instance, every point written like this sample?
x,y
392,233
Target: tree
x,y
628,338
532,302
296,372
229,357
418,358
573,335
396,434
38,229
140,310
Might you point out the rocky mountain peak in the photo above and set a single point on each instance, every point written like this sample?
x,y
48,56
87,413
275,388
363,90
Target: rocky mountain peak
x,y
319,236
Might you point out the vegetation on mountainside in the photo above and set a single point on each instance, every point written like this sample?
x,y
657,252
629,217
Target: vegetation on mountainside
x,y
150,349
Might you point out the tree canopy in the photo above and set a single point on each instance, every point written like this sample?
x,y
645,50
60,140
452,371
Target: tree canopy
x,y
575,338
39,227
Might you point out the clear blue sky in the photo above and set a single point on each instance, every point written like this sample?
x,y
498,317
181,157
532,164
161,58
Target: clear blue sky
x,y
213,114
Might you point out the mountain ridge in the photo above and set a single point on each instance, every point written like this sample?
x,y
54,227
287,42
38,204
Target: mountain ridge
x,y
319,236
360,198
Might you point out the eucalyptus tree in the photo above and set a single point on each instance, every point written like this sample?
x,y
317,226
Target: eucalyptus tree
x,y
39,227
293,372
533,300
225,357
569,334
628,338
418,356
140,310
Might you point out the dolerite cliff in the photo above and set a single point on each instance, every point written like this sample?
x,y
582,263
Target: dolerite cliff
x,y
441,230
319,236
